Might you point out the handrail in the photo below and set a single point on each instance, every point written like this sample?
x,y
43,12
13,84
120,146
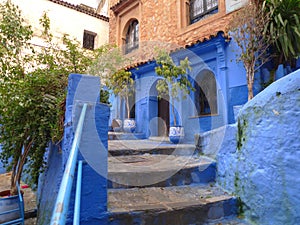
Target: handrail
x,y
76,218
59,215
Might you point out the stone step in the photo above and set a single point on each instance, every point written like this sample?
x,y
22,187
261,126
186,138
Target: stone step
x,y
151,146
159,170
124,136
184,205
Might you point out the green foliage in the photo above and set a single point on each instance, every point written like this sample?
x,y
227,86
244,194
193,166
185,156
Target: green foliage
x,y
109,64
175,77
284,27
32,92
104,96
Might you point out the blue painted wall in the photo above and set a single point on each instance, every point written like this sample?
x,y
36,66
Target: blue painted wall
x,y
264,170
93,150
211,56
216,55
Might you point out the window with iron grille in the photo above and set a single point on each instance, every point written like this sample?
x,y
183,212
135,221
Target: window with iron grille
x,y
89,40
199,9
132,37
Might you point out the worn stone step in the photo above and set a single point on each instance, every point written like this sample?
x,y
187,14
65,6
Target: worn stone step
x,y
125,136
184,205
159,170
151,146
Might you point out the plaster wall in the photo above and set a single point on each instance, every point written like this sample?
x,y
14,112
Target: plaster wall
x,y
63,20
93,150
259,159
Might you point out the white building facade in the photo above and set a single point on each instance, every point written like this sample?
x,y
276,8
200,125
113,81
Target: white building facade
x,y
80,22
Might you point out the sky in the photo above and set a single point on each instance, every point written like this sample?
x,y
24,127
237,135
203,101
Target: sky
x,y
92,3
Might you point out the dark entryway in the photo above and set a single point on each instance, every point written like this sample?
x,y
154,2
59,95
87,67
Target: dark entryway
x,y
159,115
164,115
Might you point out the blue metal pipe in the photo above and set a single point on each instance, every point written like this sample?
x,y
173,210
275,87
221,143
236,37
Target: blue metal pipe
x,y
76,218
59,215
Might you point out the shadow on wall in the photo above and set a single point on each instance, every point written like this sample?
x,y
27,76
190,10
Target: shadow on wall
x,y
260,159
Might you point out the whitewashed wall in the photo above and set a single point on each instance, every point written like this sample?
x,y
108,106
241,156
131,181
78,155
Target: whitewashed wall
x,y
64,20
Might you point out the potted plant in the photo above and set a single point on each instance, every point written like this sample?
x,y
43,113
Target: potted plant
x,y
122,85
174,79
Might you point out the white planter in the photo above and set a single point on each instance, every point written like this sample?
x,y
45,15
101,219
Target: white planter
x,y
129,125
176,134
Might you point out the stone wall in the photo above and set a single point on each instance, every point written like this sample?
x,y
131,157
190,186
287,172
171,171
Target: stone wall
x,y
166,21
261,163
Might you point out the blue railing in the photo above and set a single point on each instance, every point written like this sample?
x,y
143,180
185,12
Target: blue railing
x,y
59,215
76,218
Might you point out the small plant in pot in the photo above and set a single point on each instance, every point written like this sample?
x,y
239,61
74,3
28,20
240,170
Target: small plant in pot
x,y
109,64
174,79
122,85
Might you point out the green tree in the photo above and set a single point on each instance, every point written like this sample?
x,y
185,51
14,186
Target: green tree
x,y
32,92
175,78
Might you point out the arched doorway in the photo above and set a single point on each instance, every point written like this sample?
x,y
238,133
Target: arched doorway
x,y
159,113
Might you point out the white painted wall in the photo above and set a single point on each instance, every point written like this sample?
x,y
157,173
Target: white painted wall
x,y
63,21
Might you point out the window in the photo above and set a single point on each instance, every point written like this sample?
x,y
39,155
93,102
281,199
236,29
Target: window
x,y
132,37
206,93
89,40
199,9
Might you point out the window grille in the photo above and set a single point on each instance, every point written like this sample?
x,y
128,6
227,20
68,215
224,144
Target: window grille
x,y
199,9
89,40
132,37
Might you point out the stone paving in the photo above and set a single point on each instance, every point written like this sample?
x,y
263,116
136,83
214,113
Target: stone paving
x,y
138,161
152,145
163,198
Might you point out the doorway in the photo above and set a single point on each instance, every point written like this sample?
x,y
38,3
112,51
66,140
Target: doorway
x,y
163,116
159,113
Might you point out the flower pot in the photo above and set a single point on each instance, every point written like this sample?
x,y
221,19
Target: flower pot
x,y
176,134
11,207
129,125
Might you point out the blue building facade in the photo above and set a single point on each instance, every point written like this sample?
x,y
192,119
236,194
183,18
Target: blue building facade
x,y
214,70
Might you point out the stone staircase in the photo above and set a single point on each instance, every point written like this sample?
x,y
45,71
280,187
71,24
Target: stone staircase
x,y
153,182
